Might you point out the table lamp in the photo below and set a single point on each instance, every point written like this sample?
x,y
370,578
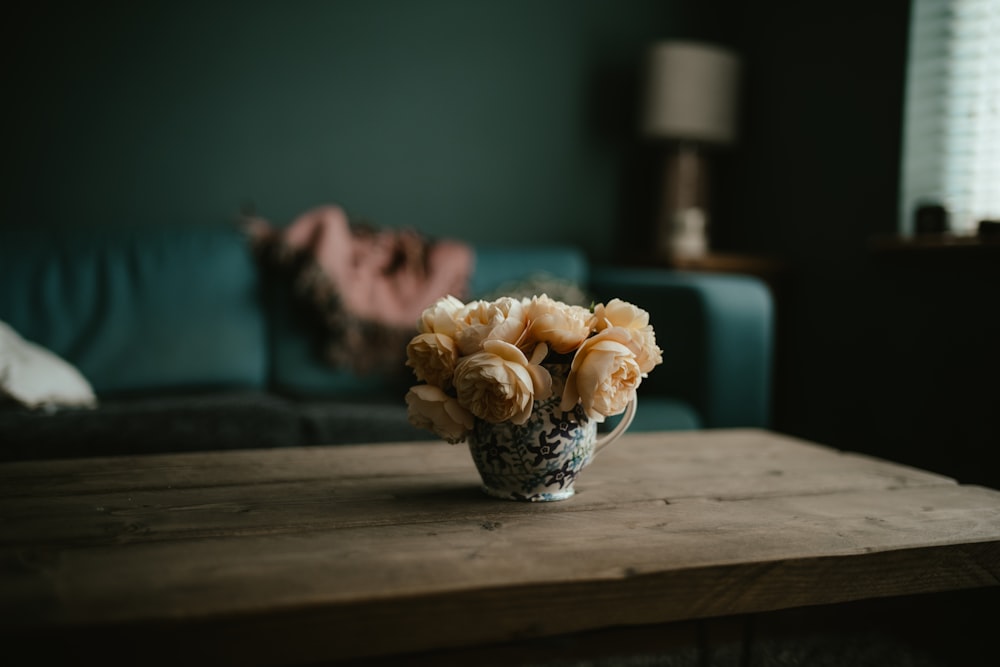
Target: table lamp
x,y
690,98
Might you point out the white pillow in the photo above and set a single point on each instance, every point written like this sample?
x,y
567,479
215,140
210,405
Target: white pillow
x,y
36,377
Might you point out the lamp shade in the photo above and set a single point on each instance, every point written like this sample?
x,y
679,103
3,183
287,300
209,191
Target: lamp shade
x,y
691,92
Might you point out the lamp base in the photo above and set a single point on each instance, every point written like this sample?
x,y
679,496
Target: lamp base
x,y
682,229
687,239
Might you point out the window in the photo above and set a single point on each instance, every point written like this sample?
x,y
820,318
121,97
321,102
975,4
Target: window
x,y
951,140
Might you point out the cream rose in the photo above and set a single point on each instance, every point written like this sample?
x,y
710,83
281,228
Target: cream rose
x,y
430,408
440,317
500,383
478,321
562,327
604,375
618,313
432,356
647,353
641,337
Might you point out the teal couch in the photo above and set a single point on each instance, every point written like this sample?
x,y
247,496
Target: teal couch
x,y
190,346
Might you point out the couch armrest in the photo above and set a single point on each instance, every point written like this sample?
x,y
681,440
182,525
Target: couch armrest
x,y
716,332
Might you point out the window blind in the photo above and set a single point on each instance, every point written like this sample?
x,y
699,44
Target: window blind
x,y
951,140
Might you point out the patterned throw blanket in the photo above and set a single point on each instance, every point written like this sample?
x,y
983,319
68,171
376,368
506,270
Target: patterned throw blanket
x,y
367,286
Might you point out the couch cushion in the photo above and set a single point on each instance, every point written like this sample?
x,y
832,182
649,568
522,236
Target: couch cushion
x,y
138,307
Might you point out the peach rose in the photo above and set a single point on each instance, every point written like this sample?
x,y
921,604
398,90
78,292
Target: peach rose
x,y
432,356
478,321
618,313
642,338
562,327
430,408
604,375
440,317
500,383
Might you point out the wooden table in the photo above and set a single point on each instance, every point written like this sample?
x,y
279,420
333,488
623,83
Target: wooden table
x,y
298,555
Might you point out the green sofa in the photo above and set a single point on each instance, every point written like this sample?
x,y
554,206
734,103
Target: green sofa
x,y
190,346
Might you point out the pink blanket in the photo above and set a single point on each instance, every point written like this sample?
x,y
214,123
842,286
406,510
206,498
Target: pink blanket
x,y
369,286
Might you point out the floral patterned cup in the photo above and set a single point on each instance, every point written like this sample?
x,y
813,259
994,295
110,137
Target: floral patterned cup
x,y
540,459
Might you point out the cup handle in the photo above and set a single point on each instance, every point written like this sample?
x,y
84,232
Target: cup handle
x,y
617,431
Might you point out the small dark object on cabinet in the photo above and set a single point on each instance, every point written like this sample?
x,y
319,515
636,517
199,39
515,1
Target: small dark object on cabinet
x,y
931,219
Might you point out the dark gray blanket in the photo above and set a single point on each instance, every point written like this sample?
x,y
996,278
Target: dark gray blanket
x,y
198,422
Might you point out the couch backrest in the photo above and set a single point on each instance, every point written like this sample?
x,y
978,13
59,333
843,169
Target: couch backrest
x,y
153,308
138,308
499,266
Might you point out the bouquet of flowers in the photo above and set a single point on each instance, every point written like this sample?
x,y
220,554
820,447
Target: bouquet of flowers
x,y
492,360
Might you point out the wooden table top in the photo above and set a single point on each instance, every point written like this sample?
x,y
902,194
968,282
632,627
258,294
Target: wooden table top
x,y
301,554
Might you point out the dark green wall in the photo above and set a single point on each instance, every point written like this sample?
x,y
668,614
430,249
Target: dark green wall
x,y
491,121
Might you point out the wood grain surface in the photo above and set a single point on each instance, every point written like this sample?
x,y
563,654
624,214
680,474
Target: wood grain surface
x,y
300,555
